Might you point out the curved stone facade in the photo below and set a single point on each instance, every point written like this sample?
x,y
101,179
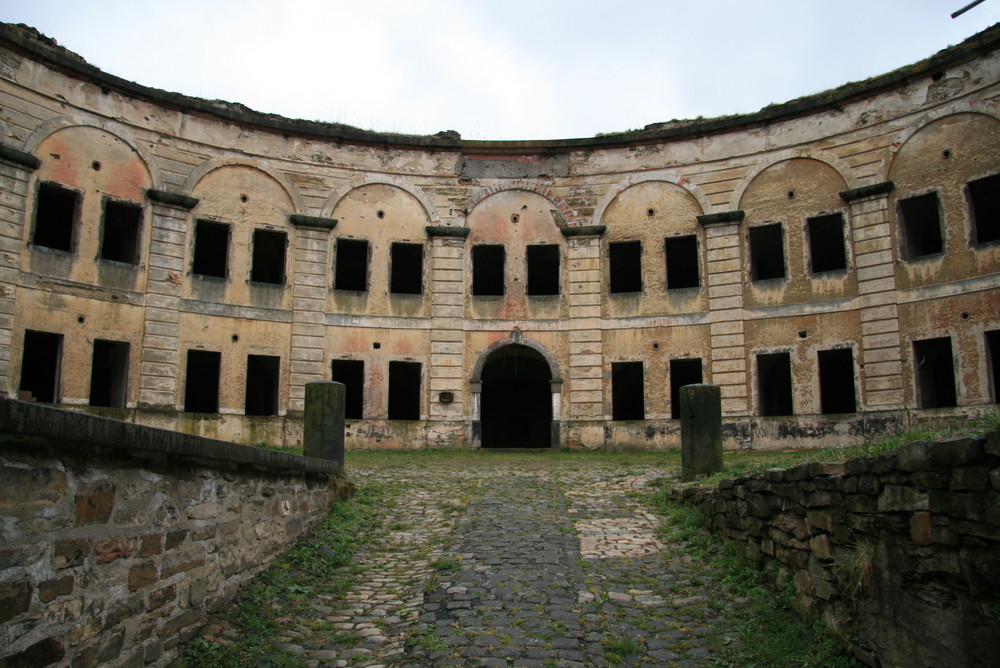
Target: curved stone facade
x,y
832,264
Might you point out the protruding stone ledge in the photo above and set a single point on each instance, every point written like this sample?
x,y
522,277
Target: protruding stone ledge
x,y
172,199
445,231
19,157
736,216
863,192
583,230
299,220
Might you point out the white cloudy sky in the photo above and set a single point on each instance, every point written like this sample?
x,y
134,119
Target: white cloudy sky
x,y
501,69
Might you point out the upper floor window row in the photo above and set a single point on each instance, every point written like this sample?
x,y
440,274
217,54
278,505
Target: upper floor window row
x,y
489,267
920,221
353,256
211,253
57,211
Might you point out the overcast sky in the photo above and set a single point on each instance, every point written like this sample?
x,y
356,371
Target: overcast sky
x,y
501,69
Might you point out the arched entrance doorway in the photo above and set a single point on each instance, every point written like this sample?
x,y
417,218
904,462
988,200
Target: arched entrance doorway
x,y
516,399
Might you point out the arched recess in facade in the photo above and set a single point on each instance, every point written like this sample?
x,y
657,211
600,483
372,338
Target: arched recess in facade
x,y
516,393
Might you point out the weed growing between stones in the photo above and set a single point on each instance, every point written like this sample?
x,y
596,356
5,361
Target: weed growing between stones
x,y
318,564
770,633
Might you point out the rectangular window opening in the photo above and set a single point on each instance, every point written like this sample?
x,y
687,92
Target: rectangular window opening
x,y
404,390
201,390
935,373
625,266
826,243
993,362
40,362
543,270
487,270
120,232
351,374
627,395
211,249
406,275
774,383
109,374
921,222
984,201
682,372
268,257
682,262
836,381
767,252
351,265
262,385
55,213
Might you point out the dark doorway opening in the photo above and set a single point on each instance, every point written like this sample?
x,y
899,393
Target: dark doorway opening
x,y
109,374
682,372
262,385
993,362
201,389
40,366
516,400
935,373
836,381
774,382
627,396
351,374
404,390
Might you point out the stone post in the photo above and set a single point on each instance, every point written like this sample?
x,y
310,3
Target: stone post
x,y
323,430
701,430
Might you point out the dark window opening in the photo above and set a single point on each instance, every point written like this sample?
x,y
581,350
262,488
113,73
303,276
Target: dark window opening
x,y
211,249
767,253
984,201
921,223
543,270
993,362
201,391
404,390
55,213
774,382
935,373
351,265
109,374
625,266
262,385
836,381
268,257
682,372
120,236
487,270
826,243
682,262
40,363
407,269
351,374
627,400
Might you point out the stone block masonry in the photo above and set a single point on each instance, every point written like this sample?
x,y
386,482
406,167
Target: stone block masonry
x,y
901,550
117,541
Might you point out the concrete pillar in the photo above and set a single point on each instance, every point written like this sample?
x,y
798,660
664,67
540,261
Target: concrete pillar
x,y
701,430
323,428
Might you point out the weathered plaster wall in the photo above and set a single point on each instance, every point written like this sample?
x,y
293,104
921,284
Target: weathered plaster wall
x,y
856,152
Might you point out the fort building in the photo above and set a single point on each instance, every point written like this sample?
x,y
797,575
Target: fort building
x,y
831,263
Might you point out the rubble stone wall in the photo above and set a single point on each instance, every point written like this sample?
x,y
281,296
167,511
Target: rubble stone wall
x,y
117,541
901,551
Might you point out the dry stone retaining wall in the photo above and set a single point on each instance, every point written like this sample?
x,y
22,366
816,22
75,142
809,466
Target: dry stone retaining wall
x,y
116,541
902,549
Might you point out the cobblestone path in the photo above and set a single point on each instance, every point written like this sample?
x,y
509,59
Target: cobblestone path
x,y
523,562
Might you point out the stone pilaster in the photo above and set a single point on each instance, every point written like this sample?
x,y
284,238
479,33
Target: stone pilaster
x,y
310,284
445,380
724,273
881,352
15,173
160,357
586,347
